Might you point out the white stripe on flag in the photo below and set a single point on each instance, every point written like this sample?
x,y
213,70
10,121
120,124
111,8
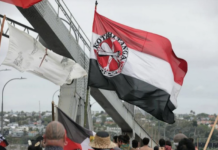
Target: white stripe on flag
x,y
149,69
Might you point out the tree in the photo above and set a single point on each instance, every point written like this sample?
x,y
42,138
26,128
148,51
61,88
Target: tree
x,y
103,119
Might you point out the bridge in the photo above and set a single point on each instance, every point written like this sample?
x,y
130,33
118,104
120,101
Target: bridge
x,y
58,30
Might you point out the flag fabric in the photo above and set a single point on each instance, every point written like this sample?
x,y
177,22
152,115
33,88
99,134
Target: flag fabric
x,y
22,3
77,136
26,54
3,141
139,66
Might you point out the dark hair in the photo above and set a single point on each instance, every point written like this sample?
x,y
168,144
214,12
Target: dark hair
x,y
123,138
126,139
156,148
168,143
162,142
134,143
120,138
115,139
185,144
145,141
191,139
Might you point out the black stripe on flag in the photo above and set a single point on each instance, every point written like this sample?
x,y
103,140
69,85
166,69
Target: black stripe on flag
x,y
74,131
134,91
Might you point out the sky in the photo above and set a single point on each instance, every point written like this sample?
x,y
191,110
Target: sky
x,y
191,26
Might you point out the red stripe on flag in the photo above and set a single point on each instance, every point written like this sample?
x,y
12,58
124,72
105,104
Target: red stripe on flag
x,y
143,41
72,145
22,3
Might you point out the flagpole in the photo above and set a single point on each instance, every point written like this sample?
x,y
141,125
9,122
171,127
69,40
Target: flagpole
x,y
2,29
86,105
52,108
96,3
211,132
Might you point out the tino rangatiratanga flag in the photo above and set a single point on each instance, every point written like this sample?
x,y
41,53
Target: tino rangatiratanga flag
x,y
139,66
77,136
27,54
22,3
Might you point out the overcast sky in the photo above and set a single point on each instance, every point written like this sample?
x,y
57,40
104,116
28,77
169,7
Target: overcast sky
x,y
191,26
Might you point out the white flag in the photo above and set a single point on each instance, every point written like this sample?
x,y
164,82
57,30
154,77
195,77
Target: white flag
x,y
26,54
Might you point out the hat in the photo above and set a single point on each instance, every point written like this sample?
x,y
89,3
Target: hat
x,y
102,141
178,137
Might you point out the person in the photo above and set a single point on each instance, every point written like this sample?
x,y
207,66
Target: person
x,y
145,142
177,138
36,144
135,144
55,136
162,144
156,148
192,140
168,145
185,144
123,141
115,140
102,141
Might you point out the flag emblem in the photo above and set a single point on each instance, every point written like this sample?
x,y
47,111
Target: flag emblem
x,y
111,53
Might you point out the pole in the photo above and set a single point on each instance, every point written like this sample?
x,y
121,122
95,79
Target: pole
x,y
211,132
52,108
5,69
197,142
54,94
86,105
2,115
2,28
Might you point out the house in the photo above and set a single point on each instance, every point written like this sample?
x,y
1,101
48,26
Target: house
x,y
204,122
98,120
94,113
14,124
17,133
33,133
29,114
211,125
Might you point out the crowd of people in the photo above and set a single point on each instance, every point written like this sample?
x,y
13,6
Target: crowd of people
x,y
55,139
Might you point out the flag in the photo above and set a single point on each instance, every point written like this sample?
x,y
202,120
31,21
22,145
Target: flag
x,y
26,54
77,136
22,3
139,66
3,141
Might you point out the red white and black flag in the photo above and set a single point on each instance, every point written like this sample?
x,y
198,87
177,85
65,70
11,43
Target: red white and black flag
x,y
77,136
22,3
139,66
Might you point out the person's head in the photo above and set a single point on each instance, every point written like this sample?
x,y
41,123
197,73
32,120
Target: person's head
x,y
185,144
145,141
156,148
178,137
162,142
168,143
119,140
115,139
55,134
191,139
123,139
134,143
102,141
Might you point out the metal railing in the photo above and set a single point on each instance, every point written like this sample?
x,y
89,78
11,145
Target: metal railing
x,y
74,25
15,23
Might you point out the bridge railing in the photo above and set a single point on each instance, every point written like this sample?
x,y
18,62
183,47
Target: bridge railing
x,y
67,17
